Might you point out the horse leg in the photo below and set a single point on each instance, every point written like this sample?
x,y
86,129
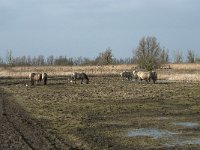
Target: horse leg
x,y
32,82
45,81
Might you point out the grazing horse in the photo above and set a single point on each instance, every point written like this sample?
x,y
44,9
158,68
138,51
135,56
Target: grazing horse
x,y
35,77
126,75
31,77
44,78
79,76
145,75
153,76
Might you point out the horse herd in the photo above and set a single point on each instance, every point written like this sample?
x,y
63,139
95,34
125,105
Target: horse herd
x,y
140,75
39,77
136,75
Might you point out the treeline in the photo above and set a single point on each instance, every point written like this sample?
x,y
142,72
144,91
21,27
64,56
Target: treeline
x,y
148,55
104,58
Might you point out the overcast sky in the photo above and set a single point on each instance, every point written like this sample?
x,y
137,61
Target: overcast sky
x,y
85,28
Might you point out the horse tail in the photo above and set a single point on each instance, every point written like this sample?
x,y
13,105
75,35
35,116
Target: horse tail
x,y
86,77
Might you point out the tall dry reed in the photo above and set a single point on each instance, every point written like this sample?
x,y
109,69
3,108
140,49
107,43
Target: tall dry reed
x,y
179,72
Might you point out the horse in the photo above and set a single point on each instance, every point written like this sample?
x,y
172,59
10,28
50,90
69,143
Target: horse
x,y
145,75
154,76
126,75
35,77
44,78
79,76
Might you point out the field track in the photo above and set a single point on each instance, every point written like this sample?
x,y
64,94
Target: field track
x,y
19,131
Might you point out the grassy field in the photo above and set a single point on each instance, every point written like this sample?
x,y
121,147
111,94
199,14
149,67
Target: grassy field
x,y
109,113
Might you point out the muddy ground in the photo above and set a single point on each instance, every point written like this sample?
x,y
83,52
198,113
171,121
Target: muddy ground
x,y
107,113
18,130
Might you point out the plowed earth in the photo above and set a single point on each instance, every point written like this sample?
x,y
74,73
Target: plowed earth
x,y
18,130
98,115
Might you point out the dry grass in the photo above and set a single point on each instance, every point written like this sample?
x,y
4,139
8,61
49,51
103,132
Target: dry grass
x,y
22,72
178,72
185,77
185,66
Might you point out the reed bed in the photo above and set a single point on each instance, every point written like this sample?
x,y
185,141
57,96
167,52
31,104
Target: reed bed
x,y
177,72
54,71
185,66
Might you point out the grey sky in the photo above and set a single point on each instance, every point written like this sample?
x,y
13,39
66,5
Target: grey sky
x,y
85,28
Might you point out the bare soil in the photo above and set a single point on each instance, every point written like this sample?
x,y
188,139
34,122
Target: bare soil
x,y
18,130
98,115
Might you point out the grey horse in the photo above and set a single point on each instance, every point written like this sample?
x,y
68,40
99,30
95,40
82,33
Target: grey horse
x,y
79,76
145,75
126,75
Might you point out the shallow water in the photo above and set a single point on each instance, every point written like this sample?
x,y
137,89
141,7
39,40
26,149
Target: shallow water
x,y
150,132
173,138
187,124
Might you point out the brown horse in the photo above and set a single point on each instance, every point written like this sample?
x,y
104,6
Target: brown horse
x,y
153,76
35,77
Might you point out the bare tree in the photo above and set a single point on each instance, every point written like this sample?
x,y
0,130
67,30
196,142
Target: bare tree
x,y
164,56
9,58
190,56
197,60
178,57
105,57
50,60
147,54
1,61
63,61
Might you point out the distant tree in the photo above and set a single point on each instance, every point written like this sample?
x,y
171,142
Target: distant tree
x,y
123,61
63,61
1,61
105,57
83,61
9,58
148,52
50,60
190,57
29,61
164,56
197,60
40,60
18,61
178,58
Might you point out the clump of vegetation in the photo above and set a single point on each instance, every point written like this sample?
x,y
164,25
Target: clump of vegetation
x,y
149,55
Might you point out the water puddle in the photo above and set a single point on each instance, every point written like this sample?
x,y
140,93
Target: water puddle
x,y
172,138
187,124
150,132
